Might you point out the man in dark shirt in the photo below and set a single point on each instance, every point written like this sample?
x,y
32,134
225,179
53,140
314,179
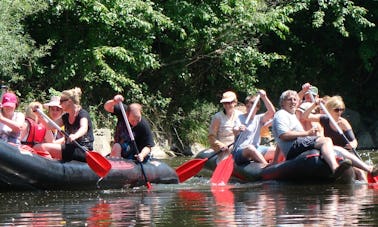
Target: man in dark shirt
x,y
123,146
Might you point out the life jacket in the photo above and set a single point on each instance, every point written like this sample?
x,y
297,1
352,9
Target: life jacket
x,y
36,133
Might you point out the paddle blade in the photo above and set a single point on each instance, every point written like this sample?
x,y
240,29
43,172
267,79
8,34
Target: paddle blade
x,y
98,163
371,179
223,171
190,168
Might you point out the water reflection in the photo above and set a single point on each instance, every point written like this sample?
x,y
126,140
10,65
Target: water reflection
x,y
196,203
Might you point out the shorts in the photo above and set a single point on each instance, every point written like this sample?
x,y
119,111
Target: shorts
x,y
239,158
300,145
72,152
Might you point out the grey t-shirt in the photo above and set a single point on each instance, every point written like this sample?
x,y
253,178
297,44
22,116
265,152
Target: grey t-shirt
x,y
284,121
252,134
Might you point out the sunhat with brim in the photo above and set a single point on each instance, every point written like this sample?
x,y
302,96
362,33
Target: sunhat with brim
x,y
54,101
9,100
228,96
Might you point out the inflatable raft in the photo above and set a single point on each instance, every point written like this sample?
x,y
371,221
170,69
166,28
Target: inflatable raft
x,y
307,167
23,170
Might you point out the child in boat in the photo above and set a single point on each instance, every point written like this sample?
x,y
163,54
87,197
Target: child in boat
x,y
11,122
248,139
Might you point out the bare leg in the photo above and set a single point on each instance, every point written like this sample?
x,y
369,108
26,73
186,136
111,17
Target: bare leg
x,y
269,155
278,156
326,147
355,160
54,149
116,150
254,154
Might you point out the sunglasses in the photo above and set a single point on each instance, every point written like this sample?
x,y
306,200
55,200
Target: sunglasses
x,y
63,100
339,109
227,103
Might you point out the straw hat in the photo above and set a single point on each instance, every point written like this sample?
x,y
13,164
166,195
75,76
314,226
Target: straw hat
x,y
54,101
228,96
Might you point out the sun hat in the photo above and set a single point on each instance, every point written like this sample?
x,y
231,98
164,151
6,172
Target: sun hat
x,y
54,101
228,96
9,99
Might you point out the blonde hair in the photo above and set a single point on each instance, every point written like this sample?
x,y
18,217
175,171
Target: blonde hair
x,y
29,113
335,102
74,94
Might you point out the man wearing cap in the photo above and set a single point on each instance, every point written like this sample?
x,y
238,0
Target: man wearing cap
x,y
11,122
221,134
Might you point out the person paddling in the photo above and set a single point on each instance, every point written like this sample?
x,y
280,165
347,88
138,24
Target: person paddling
x,y
294,140
140,127
335,106
221,133
78,125
249,148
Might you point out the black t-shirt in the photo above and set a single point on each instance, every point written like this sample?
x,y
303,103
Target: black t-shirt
x,y
88,138
142,131
336,137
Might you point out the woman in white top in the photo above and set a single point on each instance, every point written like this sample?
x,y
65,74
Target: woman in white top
x,y
221,133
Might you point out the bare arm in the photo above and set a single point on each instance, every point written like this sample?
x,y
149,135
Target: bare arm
x,y
292,135
81,131
269,106
212,137
109,105
308,116
143,153
17,124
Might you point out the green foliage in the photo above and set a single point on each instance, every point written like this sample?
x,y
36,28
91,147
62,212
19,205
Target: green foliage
x,y
177,57
17,49
194,125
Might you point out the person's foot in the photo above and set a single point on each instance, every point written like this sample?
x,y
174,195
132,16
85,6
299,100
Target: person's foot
x,y
374,172
344,165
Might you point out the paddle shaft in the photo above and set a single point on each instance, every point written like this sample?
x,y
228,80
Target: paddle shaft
x,y
60,129
133,141
248,119
334,123
224,169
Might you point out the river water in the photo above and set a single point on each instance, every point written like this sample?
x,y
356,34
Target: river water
x,y
196,203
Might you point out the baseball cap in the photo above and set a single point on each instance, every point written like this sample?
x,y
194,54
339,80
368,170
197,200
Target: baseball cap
x,y
9,100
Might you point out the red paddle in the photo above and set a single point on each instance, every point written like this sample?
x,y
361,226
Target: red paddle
x,y
192,167
223,171
99,164
370,178
148,184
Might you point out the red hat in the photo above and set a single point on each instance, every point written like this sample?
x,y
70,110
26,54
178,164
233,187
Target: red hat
x,y
9,99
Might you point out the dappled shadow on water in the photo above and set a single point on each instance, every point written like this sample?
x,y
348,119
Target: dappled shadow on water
x,y
196,203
